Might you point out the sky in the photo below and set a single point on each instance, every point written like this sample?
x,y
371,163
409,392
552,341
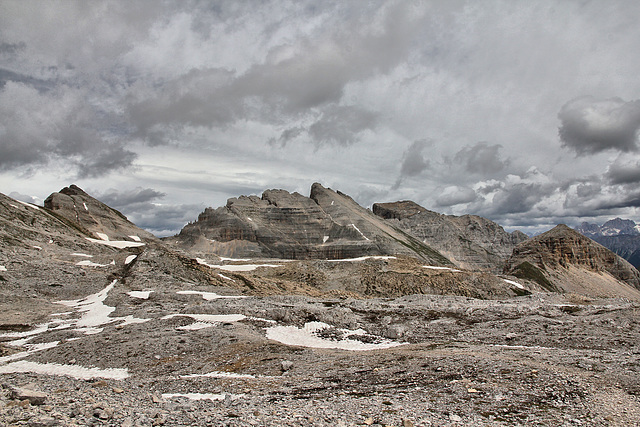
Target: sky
x,y
524,112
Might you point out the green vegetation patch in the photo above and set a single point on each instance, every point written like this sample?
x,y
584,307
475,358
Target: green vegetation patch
x,y
528,271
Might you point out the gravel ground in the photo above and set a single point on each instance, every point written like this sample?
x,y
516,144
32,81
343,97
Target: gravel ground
x,y
536,360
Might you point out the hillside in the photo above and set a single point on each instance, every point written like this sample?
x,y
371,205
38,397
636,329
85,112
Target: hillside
x,y
563,260
469,241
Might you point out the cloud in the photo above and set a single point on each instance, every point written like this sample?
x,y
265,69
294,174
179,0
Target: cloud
x,y
456,195
37,127
590,125
413,161
118,199
623,173
481,158
141,206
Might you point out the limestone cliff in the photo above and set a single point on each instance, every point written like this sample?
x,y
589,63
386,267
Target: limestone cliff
x,y
469,241
564,260
279,224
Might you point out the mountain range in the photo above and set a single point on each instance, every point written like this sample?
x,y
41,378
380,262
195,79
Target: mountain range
x,y
283,309
621,236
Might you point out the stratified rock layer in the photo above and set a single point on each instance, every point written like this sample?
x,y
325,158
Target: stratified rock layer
x,y
564,260
92,216
469,241
327,225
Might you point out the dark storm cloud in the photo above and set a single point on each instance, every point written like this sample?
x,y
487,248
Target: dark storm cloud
x,y
518,198
413,161
140,206
38,127
481,158
10,76
301,78
456,196
341,124
590,125
623,173
118,199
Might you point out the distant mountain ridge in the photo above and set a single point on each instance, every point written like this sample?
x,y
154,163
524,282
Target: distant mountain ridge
x,y
621,236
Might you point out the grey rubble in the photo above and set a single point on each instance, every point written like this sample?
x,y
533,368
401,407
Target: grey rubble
x,y
473,351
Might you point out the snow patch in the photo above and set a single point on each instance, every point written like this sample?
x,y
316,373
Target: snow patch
x,y
209,295
219,375
358,230
225,277
120,244
130,258
307,336
434,267
80,254
87,263
324,239
102,236
37,247
236,267
95,313
135,238
29,205
3,268
85,206
516,284
139,294
362,258
74,371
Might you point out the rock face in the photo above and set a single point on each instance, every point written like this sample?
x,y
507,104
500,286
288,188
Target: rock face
x,y
469,241
621,236
279,224
564,260
82,210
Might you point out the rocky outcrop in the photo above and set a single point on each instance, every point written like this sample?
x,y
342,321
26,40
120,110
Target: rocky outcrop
x,y
564,260
469,241
93,216
279,224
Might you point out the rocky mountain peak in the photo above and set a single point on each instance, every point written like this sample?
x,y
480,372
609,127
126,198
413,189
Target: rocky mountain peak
x,y
397,210
97,219
279,224
562,259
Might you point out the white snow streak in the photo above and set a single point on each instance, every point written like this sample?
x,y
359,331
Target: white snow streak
x,y
139,294
516,284
130,258
29,205
358,230
136,238
120,244
236,267
74,371
80,254
3,268
433,267
102,236
307,337
87,263
362,258
218,375
85,206
209,295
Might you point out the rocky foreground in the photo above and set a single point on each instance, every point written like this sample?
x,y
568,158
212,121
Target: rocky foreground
x,y
416,360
